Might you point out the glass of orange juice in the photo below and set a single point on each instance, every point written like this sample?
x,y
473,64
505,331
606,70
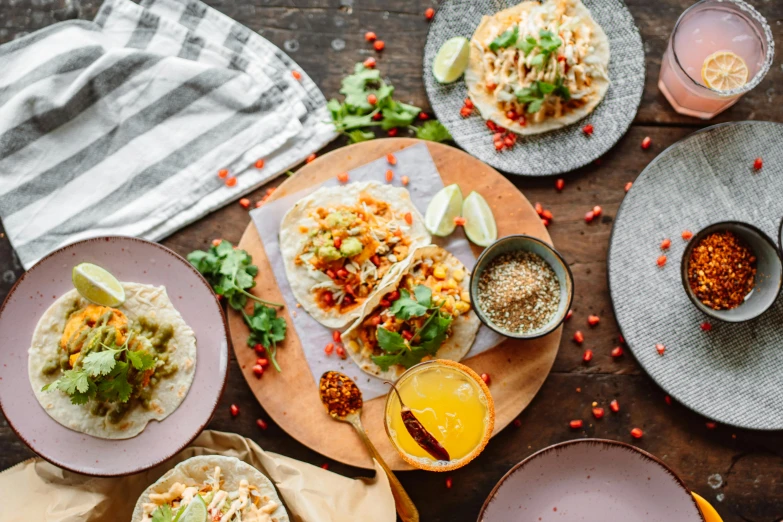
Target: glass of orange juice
x,y
452,403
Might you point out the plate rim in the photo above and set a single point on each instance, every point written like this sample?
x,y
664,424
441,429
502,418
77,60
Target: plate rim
x,y
203,426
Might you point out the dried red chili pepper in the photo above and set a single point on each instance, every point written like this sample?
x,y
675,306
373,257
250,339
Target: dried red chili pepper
x,y
419,433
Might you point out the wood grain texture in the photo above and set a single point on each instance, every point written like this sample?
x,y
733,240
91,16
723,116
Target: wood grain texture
x,y
518,368
749,463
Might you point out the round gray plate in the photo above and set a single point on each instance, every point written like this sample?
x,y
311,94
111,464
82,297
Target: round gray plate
x,y
733,373
554,152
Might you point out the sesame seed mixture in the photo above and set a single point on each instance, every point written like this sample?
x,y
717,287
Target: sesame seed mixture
x,y
519,292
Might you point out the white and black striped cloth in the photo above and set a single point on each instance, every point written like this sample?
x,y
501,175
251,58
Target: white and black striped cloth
x,y
119,126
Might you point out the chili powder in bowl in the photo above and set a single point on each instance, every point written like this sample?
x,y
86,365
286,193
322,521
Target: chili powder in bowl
x,y
732,271
521,287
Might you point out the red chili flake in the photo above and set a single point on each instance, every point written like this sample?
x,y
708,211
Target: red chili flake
x,y
597,211
705,326
392,132
687,235
216,242
261,423
340,352
576,424
244,203
370,36
372,99
230,182
485,377
666,243
668,400
370,63
222,173
569,314
310,158
258,370
598,413
329,348
468,103
617,351
589,217
660,348
636,433
391,159
342,177
379,45
628,186
262,362
517,423
409,218
465,112
758,164
259,349
260,164
579,337
539,209
593,320
588,129
449,482
296,74
429,13
559,184
460,221
547,214
661,260
710,425
405,180
234,410
614,406
587,356
389,176
646,142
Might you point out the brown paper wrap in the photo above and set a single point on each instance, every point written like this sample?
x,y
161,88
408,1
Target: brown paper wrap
x,y
37,490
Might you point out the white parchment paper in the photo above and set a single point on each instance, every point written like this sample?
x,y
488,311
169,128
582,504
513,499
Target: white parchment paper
x,y
414,162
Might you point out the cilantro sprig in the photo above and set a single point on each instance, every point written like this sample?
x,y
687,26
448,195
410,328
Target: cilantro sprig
x,y
356,115
231,273
425,341
535,95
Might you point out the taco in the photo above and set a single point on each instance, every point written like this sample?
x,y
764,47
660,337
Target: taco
x,y
424,313
222,488
340,244
536,67
107,371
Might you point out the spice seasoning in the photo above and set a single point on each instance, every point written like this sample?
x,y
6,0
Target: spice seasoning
x,y
339,394
419,433
722,270
519,292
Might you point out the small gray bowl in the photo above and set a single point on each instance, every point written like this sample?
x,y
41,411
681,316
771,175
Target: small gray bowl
x,y
769,272
525,243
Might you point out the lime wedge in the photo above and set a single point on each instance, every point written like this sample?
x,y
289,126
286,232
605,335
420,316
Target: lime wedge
x,y
195,511
451,60
480,225
444,207
97,285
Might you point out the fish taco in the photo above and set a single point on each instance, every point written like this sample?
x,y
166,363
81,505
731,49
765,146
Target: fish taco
x,y
536,67
424,313
211,487
340,244
108,371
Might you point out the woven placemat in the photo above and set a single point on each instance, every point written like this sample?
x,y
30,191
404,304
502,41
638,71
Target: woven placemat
x,y
554,152
734,372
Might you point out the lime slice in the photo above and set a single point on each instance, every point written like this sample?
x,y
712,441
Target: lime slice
x,y
480,224
195,511
97,285
451,60
724,71
444,207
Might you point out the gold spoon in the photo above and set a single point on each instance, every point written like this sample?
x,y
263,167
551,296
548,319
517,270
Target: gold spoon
x,y
343,401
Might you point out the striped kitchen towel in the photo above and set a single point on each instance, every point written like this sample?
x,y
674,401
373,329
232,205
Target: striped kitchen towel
x,y
120,125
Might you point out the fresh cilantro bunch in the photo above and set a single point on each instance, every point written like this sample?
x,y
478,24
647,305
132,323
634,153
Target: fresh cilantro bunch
x,y
355,115
231,273
425,341
103,374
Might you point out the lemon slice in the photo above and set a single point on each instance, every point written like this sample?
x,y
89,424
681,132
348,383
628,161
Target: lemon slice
x,y
444,207
452,59
97,285
195,511
480,225
724,71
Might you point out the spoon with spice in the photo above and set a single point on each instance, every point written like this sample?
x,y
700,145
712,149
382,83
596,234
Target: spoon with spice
x,y
343,401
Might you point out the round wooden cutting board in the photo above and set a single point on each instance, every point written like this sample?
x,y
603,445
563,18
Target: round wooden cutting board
x,y
518,368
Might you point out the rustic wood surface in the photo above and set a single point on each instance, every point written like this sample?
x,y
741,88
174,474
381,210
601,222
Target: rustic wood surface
x,y
740,472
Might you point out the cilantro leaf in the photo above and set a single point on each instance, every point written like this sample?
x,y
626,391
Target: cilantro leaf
x,y
99,363
405,307
535,106
141,360
546,87
358,135
162,514
539,60
73,381
391,342
561,89
507,39
549,42
433,334
527,45
423,295
406,358
433,130
116,387
266,329
396,118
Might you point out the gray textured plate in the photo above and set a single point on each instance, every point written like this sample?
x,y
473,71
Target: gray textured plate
x,y
554,152
733,373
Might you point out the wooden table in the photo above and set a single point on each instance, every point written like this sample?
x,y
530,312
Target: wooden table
x,y
740,472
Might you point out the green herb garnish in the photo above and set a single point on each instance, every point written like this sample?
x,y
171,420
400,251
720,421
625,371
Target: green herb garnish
x,y
535,95
266,329
507,39
433,130
527,44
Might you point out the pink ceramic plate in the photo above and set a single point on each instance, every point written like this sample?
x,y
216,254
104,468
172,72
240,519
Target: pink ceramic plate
x,y
590,480
129,259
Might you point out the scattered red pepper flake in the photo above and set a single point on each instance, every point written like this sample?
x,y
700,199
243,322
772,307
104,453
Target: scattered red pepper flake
x,y
261,423
614,406
706,326
758,163
646,142
258,370
722,270
460,221
660,348
329,348
587,356
429,13
617,351
661,260
593,320
579,337
379,45
297,75
405,180
588,129
559,184
486,378
449,482
589,216
666,243
230,182
223,173
389,176
392,132
597,210
370,36
342,177
409,218
628,186
370,63
687,235
234,409
244,203
576,424
637,433
310,158
598,413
